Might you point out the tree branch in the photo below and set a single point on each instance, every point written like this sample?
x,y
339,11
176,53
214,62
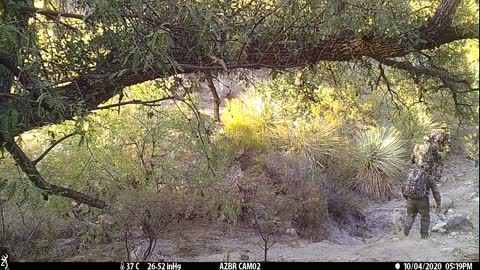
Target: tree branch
x,y
47,12
444,14
430,71
29,168
216,98
35,162
135,102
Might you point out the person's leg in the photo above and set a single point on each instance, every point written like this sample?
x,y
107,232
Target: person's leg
x,y
438,173
424,209
411,214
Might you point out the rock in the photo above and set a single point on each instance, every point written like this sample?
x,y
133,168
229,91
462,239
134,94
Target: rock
x,y
450,212
439,227
244,257
447,178
446,250
63,247
447,203
105,220
459,223
453,233
292,232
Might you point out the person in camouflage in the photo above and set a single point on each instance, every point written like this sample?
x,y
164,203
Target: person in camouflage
x,y
428,153
422,206
442,140
427,156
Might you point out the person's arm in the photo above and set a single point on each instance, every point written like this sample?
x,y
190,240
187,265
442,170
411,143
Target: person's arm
x,y
437,158
436,192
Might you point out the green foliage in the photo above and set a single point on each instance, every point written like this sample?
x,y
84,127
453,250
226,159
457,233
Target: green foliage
x,y
171,160
316,139
250,120
416,123
8,120
471,145
381,157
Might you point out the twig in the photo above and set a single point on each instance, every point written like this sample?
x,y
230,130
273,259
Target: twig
x,y
57,142
135,102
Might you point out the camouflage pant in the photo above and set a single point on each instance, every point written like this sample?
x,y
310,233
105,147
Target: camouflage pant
x,y
438,173
415,206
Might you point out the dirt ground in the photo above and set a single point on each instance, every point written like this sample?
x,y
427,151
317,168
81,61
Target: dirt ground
x,y
375,239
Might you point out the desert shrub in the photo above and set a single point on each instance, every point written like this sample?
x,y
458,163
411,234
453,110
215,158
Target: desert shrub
x,y
34,230
250,119
283,192
413,123
222,203
471,145
342,201
316,140
381,156
141,217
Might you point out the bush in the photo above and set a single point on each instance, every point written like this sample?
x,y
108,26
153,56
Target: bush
x,y
250,120
317,140
154,212
381,156
471,145
284,192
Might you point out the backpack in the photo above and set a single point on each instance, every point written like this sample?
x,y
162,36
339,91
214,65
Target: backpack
x,y
416,184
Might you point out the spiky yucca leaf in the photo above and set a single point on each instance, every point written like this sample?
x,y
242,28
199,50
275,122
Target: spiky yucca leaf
x,y
250,119
316,139
424,125
381,156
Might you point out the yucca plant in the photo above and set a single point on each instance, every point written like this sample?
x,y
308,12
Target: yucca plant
x,y
381,157
425,124
250,119
316,140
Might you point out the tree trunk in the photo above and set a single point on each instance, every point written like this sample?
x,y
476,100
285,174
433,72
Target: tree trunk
x,y
216,98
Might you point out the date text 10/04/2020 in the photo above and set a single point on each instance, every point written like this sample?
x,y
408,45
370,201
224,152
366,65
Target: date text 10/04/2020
x,y
436,266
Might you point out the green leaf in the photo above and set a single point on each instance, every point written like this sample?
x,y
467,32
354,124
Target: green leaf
x,y
13,188
3,183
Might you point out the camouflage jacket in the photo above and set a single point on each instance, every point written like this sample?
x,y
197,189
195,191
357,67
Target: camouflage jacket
x,y
426,152
441,138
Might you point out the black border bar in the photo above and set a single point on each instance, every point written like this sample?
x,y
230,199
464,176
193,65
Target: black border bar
x,y
243,265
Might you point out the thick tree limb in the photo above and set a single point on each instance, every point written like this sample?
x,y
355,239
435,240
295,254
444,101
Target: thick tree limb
x,y
29,168
443,15
104,82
